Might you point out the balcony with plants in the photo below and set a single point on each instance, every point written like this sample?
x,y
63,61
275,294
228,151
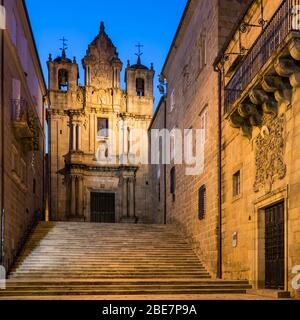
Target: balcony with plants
x,y
25,125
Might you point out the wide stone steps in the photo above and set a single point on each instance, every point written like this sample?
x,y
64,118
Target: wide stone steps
x,y
83,259
126,287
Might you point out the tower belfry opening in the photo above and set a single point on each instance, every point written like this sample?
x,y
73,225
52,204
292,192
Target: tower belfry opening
x,y
63,80
140,87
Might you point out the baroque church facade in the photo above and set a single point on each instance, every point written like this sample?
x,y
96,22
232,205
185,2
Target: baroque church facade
x,y
89,180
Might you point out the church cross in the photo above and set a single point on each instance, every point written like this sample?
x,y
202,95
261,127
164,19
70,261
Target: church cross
x,y
64,44
140,53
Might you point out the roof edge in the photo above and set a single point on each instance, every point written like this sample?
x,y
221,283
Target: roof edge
x,y
160,103
176,34
35,46
232,33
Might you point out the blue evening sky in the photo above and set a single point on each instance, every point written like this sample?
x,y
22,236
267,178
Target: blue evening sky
x,y
153,23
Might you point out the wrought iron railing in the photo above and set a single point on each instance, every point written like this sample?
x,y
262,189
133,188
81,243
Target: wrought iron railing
x,y
26,124
285,20
20,110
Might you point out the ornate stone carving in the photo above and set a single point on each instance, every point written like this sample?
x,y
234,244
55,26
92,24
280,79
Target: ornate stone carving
x,y
250,110
237,121
101,74
269,155
268,103
80,95
99,58
280,86
294,48
287,67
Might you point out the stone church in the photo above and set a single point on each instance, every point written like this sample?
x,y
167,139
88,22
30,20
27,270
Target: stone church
x,y
88,179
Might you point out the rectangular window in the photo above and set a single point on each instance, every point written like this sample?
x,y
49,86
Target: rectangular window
x,y
204,125
34,186
237,184
202,53
172,145
172,100
2,18
102,127
13,32
159,190
16,100
202,203
16,89
173,182
158,172
23,52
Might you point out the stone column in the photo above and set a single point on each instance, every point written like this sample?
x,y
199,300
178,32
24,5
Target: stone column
x,y
74,137
131,197
79,136
91,133
73,196
124,143
79,197
125,197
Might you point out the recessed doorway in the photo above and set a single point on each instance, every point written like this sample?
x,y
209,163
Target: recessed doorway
x,y
274,247
103,207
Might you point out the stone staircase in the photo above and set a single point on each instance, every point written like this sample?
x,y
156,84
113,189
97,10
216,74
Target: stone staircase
x,y
84,259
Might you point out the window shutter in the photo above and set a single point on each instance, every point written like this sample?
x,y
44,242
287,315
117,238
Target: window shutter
x,y
13,31
237,184
172,100
202,202
2,18
23,52
172,182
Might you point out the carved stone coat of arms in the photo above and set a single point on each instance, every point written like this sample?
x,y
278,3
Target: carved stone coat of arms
x,y
269,154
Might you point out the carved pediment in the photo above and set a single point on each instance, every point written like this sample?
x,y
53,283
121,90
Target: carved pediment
x,y
99,57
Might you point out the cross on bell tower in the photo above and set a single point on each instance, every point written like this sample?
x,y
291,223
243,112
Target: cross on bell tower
x,y
64,46
140,53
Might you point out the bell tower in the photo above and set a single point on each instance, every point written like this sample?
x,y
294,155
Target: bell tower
x,y
139,86
65,103
63,79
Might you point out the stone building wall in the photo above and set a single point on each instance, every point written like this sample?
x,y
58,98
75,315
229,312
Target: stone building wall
x,y
191,99
157,171
267,157
23,111
193,91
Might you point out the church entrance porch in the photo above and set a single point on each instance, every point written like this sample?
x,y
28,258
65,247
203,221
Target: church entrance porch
x,y
107,193
103,207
